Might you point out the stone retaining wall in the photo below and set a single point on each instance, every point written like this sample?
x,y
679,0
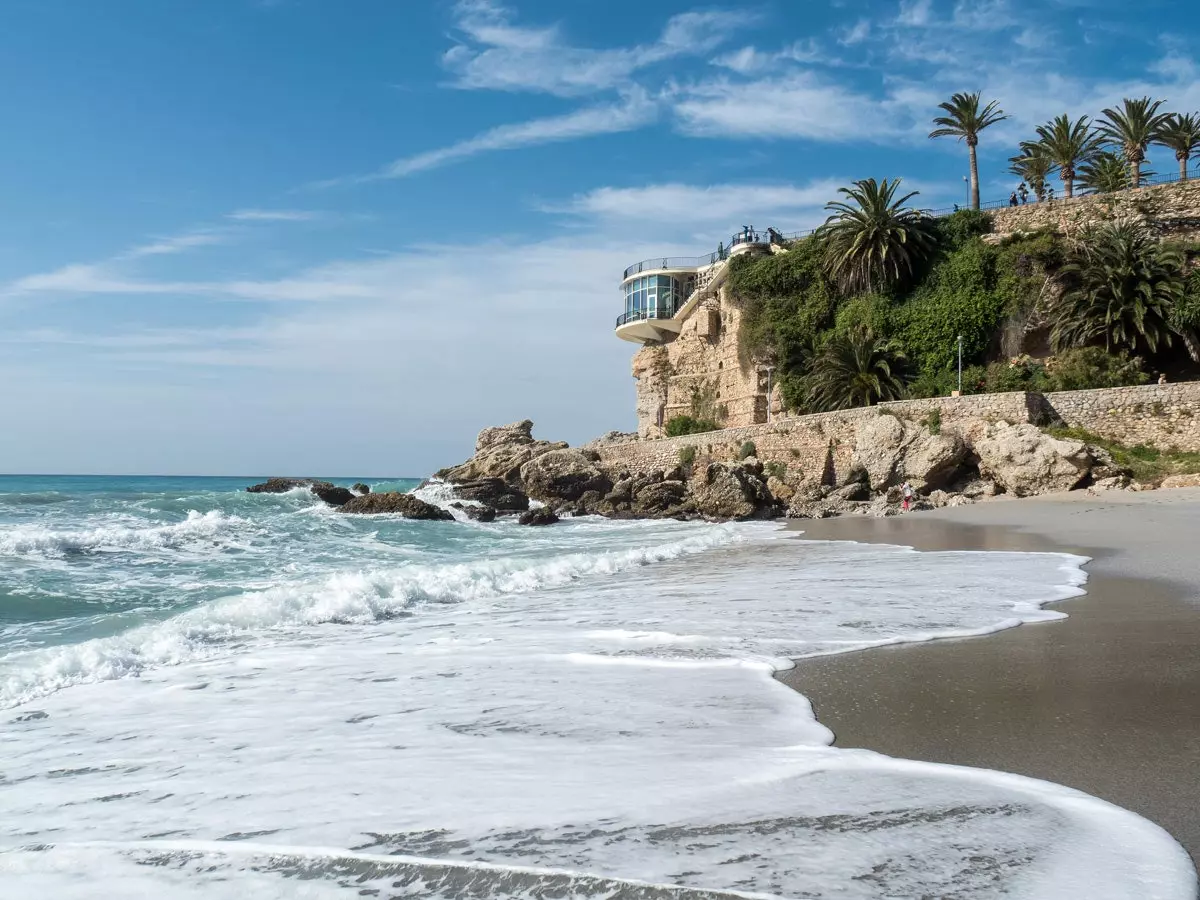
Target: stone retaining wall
x,y
1160,415
821,444
1170,209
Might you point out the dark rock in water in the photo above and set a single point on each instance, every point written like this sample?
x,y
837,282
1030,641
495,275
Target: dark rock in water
x,y
331,494
361,488
543,515
279,485
476,513
657,498
494,492
397,504
559,475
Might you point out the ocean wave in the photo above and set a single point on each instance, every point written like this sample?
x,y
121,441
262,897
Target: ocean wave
x,y
37,540
347,598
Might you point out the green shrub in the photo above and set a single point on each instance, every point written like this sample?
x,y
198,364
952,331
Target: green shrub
x,y
933,421
681,425
1093,367
1148,464
748,450
687,456
776,470
956,229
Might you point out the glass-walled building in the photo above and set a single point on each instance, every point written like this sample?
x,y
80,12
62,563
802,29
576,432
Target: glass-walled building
x,y
653,297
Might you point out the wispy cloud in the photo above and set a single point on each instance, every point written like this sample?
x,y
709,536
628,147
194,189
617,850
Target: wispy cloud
x,y
497,54
180,243
273,215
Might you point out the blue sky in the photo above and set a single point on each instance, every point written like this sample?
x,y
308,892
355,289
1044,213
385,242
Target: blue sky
x,y
341,236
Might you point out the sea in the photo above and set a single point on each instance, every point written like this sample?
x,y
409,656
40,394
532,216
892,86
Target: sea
x,y
206,693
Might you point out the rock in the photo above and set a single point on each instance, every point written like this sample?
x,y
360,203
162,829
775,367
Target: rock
x,y
891,452
780,489
660,499
752,465
1181,481
331,494
559,475
476,513
395,503
1112,483
494,492
543,515
360,488
499,453
1024,461
729,491
856,490
622,491
939,499
279,485
977,489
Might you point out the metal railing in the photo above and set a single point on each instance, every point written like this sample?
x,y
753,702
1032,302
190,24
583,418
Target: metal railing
x,y
639,315
746,236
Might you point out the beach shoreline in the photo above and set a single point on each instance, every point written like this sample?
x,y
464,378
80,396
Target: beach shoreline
x,y
1102,701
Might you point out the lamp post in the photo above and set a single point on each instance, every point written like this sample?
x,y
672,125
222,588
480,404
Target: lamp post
x,y
967,182
770,369
960,365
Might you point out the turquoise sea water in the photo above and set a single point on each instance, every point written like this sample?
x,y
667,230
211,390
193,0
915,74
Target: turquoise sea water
x,y
206,693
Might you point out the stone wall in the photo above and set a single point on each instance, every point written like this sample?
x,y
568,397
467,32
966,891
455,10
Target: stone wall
x,y
1160,415
1170,209
820,445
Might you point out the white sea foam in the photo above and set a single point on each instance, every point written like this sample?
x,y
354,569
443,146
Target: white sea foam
x,y
197,528
581,711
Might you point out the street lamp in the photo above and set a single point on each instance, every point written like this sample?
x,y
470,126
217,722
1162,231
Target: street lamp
x,y
960,365
770,369
967,182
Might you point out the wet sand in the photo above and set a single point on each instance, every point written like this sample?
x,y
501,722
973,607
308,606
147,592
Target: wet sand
x,y
1106,701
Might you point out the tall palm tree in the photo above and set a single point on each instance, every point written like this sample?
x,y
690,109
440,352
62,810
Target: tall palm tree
x,y
856,368
1181,133
874,241
1122,285
964,120
1067,144
1105,172
1133,128
1033,167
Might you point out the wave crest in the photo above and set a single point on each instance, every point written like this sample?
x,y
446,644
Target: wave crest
x,y
37,540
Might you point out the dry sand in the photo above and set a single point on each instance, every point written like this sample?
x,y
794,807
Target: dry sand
x,y
1106,701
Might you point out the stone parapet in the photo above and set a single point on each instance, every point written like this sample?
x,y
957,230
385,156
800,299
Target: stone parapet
x,y
1158,415
1171,209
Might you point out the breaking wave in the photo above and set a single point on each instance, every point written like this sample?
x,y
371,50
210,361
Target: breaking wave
x,y
197,528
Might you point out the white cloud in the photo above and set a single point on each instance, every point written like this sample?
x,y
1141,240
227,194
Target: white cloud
x,y
635,111
748,60
800,105
856,33
273,215
789,207
181,243
499,55
914,13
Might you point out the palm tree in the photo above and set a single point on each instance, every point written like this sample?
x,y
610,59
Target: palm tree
x,y
1067,144
1181,133
964,120
1122,285
856,368
1133,128
1033,167
875,241
1104,173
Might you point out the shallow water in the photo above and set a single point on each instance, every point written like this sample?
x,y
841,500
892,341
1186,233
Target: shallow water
x,y
208,693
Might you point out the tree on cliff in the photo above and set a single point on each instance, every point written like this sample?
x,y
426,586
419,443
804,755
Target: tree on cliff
x,y
1121,286
1106,172
874,241
964,120
856,368
1132,128
1067,144
1033,167
1181,133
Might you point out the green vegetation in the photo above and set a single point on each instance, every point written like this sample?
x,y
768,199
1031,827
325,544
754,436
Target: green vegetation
x,y
1148,464
1132,128
687,457
681,425
933,421
748,450
776,470
1067,145
857,368
1181,135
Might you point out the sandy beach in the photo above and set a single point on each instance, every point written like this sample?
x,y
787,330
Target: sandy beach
x,y
1105,700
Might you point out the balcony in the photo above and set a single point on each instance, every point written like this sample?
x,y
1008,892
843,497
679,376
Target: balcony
x,y
647,325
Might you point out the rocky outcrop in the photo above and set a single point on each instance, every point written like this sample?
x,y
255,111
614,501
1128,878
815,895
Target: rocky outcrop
x,y
891,451
494,492
1181,481
542,515
558,476
732,491
475,513
360,488
330,493
500,452
1023,461
394,503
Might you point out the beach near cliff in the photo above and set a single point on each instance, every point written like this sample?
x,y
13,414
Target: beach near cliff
x,y
1104,701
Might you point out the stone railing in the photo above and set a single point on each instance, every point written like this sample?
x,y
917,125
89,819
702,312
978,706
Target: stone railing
x,y
1165,416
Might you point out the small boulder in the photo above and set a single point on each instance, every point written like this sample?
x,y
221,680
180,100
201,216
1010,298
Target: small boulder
x,y
1181,481
331,493
559,475
660,499
279,485
494,492
475,513
543,515
360,488
395,503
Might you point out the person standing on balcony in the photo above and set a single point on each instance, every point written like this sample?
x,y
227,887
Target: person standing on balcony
x,y
1012,199
1023,192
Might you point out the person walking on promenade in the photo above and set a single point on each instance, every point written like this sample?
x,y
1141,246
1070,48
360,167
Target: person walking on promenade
x,y
1023,192
1012,199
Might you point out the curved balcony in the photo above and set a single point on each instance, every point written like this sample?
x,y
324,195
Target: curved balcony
x,y
643,325
739,243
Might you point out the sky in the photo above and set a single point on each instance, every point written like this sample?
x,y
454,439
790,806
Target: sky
x,y
342,236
